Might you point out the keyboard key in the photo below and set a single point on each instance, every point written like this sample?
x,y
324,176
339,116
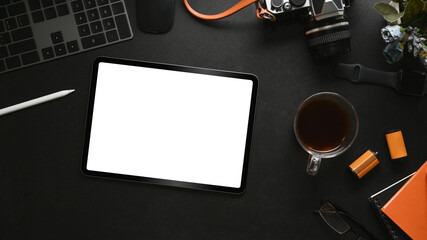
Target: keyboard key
x,y
4,2
16,9
89,4
21,34
3,13
62,10
50,13
77,6
5,38
30,57
2,66
104,19
112,36
118,8
34,5
83,30
10,23
96,27
21,47
108,23
80,18
93,41
47,3
23,20
72,46
3,52
13,62
60,49
37,16
93,15
102,2
57,37
48,53
123,26
105,11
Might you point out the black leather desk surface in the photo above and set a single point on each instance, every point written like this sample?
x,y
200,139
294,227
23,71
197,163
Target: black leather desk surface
x,y
45,196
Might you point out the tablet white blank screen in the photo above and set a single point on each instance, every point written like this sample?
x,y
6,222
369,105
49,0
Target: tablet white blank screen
x,y
169,125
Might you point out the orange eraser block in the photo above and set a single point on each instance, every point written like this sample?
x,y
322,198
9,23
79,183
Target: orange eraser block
x,y
364,164
396,145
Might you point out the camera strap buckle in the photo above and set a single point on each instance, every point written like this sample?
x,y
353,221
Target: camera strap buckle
x,y
261,12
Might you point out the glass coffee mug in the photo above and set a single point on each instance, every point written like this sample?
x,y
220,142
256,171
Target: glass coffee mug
x,y
325,125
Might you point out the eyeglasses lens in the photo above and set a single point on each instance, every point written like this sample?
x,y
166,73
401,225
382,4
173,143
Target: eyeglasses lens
x,y
333,219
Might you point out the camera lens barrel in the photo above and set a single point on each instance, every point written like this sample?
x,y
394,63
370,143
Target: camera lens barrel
x,y
328,38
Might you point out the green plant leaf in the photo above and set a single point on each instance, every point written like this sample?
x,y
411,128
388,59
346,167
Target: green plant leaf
x,y
393,17
388,12
412,9
385,9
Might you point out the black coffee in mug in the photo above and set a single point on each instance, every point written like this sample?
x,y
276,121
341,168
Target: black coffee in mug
x,y
322,124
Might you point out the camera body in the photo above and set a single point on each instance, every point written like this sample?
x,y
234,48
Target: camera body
x,y
327,31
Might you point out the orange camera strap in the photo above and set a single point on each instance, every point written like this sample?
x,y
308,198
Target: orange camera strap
x,y
262,13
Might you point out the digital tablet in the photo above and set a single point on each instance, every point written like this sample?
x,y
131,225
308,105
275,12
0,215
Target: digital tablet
x,y
170,125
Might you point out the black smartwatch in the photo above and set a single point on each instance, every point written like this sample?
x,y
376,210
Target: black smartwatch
x,y
404,82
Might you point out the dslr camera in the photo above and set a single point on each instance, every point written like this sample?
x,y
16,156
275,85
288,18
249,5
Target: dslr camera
x,y
327,31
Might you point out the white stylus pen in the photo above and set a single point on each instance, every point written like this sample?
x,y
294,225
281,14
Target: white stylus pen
x,y
35,101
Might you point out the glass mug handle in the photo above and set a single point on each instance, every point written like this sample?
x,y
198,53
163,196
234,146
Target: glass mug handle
x,y
313,165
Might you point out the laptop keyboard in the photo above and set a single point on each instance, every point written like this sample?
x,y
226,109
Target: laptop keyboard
x,y
35,31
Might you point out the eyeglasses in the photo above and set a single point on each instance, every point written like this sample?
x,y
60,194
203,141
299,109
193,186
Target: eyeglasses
x,y
335,217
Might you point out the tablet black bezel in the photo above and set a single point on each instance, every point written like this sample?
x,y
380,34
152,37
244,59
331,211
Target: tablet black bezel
x,y
179,68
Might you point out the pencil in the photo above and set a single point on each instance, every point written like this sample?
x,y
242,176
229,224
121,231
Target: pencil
x,y
35,101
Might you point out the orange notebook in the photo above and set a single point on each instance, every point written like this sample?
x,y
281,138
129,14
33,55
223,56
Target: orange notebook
x,y
408,207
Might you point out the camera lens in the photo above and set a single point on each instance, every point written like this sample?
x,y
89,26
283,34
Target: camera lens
x,y
327,38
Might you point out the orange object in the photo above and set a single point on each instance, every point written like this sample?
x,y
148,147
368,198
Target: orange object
x,y
408,207
239,6
396,145
364,164
261,12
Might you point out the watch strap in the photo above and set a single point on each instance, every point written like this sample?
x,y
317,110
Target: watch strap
x,y
404,82
360,74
